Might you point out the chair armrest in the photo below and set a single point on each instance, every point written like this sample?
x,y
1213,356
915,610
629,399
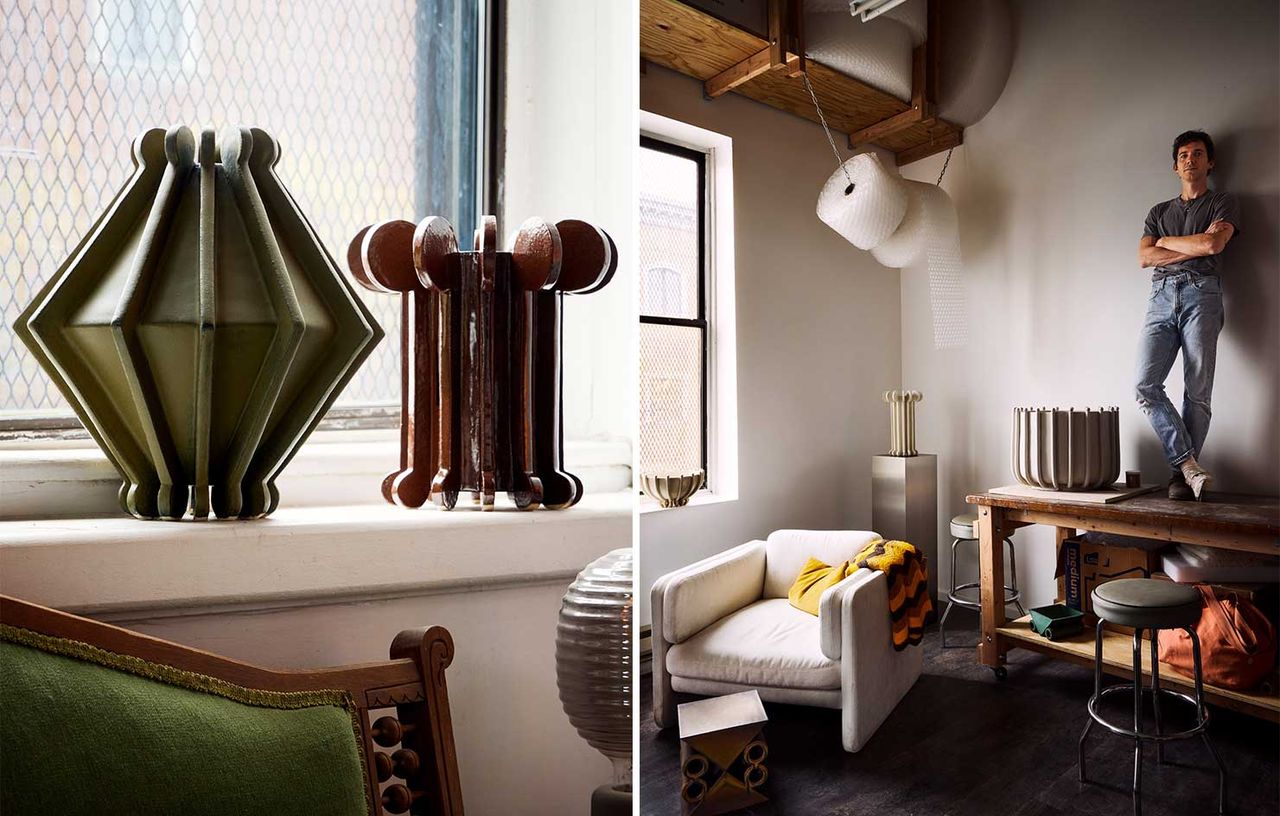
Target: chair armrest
x,y
831,634
691,599
874,676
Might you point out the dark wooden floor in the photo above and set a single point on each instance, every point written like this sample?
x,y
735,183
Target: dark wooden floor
x,y
962,743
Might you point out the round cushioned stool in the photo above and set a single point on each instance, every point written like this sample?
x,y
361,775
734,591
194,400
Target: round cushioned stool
x,y
965,528
1144,604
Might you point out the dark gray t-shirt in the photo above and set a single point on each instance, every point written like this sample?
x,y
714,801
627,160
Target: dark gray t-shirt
x,y
1178,217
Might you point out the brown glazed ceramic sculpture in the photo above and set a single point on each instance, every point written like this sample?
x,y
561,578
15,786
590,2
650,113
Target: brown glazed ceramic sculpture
x,y
481,372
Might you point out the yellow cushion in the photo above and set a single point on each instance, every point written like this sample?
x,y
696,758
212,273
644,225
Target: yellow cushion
x,y
814,579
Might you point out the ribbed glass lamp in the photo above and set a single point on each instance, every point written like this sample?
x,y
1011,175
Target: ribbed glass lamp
x,y
593,669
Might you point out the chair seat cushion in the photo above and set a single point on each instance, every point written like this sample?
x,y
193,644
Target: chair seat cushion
x,y
965,526
1144,603
768,643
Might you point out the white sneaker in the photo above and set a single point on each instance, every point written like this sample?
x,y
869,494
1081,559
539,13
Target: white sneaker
x,y
1197,477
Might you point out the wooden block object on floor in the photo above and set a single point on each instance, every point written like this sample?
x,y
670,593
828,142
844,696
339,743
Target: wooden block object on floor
x,y
722,754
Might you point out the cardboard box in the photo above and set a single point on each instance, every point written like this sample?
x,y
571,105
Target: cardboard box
x,y
1086,561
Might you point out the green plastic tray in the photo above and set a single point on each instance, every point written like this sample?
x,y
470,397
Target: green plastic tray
x,y
1056,621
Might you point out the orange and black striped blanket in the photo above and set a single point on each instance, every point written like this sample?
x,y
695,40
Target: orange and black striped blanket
x,y
907,570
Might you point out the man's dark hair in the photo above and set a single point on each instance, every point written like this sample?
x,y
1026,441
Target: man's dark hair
x,y
1193,136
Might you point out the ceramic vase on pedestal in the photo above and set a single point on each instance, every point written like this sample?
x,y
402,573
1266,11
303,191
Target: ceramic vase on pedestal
x,y
593,669
904,484
200,330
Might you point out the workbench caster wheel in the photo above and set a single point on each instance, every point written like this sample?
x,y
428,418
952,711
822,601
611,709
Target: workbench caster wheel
x,y
1001,673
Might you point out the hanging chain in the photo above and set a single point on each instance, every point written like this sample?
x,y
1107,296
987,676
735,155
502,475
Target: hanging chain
x,y
831,140
944,166
823,119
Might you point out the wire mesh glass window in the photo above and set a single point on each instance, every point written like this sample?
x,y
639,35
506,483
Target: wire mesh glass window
x,y
673,310
374,104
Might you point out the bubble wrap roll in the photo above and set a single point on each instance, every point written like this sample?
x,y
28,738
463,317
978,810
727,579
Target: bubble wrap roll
x,y
977,55
930,234
872,210
946,292
926,207
914,14
877,53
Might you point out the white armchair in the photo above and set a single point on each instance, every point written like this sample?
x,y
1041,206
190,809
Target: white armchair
x,y
725,625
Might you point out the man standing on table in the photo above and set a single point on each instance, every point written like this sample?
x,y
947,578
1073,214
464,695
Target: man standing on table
x,y
1183,239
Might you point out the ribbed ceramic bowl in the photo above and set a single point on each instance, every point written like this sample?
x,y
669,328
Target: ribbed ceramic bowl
x,y
1066,449
674,489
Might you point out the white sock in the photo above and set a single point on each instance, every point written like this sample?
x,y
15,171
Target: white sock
x,y
1196,476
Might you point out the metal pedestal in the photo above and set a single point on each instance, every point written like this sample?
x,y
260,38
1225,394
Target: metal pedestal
x,y
904,504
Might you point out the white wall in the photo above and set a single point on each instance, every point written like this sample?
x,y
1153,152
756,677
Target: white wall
x,y
818,341
1052,188
571,136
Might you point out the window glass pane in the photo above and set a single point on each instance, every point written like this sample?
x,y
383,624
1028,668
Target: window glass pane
x,y
372,102
670,398
670,262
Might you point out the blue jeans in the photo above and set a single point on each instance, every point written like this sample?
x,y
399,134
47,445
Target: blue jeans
x,y
1185,312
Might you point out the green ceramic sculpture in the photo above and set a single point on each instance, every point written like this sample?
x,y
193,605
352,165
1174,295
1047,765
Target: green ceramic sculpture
x,y
200,329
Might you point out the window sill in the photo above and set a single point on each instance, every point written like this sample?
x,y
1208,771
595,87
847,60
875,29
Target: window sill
x,y
73,479
701,498
112,567
65,542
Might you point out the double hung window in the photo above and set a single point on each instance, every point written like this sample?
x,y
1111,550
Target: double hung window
x,y
673,298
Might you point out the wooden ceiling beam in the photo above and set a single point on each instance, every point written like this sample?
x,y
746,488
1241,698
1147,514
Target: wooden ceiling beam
x,y
887,127
753,66
951,139
725,57
777,32
785,48
795,35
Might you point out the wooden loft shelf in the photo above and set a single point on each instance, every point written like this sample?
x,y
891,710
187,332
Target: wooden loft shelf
x,y
698,45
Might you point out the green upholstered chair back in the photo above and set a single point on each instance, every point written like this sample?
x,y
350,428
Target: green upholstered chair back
x,y
97,719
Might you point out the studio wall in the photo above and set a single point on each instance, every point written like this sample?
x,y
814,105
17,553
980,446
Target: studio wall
x,y
1052,188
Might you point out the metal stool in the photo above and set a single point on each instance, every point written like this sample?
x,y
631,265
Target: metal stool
x,y
965,528
1152,605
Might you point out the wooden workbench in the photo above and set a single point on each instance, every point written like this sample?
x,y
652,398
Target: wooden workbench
x,y
1230,522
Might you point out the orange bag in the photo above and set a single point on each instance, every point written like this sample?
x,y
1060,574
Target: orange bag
x,y
1237,643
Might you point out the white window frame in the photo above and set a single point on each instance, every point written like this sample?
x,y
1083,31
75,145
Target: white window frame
x,y
722,346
